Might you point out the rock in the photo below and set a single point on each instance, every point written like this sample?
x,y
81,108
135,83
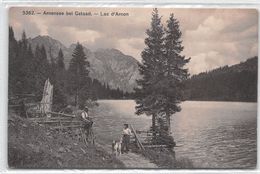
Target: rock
x,y
24,125
59,162
34,148
61,149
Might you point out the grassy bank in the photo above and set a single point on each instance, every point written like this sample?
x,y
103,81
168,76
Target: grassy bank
x,y
164,158
33,146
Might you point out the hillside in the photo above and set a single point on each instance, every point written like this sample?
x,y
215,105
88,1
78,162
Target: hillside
x,y
109,66
229,83
32,146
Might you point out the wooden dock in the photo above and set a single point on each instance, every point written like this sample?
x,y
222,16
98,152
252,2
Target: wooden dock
x,y
143,139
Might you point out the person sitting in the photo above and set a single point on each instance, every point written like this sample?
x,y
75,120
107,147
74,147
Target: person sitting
x,y
126,138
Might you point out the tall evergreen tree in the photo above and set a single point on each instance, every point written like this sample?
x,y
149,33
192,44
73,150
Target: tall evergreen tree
x,y
160,90
175,74
59,76
42,68
60,60
30,65
26,64
148,99
21,71
53,67
13,64
78,73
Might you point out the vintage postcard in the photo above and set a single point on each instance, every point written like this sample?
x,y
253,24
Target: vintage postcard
x,y
120,88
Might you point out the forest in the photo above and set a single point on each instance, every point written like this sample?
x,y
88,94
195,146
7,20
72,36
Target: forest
x,y
29,69
227,83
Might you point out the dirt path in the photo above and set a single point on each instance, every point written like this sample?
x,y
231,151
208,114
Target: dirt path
x,y
133,160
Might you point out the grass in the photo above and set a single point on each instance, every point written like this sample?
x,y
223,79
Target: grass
x,y
33,146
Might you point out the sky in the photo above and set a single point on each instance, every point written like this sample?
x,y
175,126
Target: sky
x,y
211,37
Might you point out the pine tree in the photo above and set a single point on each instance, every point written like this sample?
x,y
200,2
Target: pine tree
x,y
160,90
53,67
13,64
42,68
172,82
78,72
147,97
30,65
58,79
21,71
25,67
60,60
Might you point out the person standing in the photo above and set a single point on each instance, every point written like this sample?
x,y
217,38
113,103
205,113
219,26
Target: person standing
x,y
23,112
87,121
126,138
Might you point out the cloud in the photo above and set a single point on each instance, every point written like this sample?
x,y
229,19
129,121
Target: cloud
x,y
101,42
214,44
132,47
73,35
207,61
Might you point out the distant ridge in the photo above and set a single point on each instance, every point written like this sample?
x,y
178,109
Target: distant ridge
x,y
229,83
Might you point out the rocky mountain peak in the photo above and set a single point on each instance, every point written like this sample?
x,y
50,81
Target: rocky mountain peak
x,y
109,66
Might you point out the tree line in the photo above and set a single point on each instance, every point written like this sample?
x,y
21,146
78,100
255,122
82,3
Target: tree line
x,y
29,69
235,83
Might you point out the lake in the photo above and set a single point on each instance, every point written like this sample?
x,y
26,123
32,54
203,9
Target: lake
x,y
211,134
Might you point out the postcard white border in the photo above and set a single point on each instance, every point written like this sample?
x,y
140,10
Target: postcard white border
x,y
6,4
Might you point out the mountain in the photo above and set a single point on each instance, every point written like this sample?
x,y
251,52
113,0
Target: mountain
x,y
115,68
229,83
109,66
51,45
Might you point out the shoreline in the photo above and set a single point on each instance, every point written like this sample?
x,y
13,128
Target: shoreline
x,y
217,101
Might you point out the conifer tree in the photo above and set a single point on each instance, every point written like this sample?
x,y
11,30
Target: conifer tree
x,y
13,64
58,79
78,73
30,65
160,90
147,96
25,67
60,60
42,68
21,71
175,73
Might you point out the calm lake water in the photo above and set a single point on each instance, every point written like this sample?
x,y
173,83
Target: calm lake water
x,y
211,134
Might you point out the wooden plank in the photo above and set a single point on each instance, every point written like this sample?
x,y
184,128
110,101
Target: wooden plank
x,y
142,131
14,105
155,146
62,114
63,127
60,118
59,121
138,141
50,119
144,136
158,146
30,95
